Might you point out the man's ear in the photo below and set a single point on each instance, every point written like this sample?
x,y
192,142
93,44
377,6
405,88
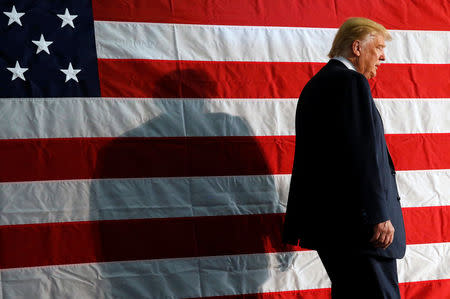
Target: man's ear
x,y
356,48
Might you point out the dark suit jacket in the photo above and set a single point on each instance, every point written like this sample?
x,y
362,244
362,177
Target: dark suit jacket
x,y
343,178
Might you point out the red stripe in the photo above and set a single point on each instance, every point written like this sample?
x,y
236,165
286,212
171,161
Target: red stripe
x,y
96,241
83,158
427,224
79,158
432,289
201,79
429,15
304,294
419,151
411,81
84,242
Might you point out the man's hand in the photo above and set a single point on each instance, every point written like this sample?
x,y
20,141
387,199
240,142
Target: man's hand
x,y
383,234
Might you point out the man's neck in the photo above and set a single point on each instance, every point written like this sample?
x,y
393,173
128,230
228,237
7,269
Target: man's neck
x,y
346,61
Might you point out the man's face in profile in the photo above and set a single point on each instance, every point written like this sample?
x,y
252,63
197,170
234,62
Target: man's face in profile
x,y
372,53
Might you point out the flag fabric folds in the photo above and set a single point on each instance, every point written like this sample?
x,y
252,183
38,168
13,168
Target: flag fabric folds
x,y
146,146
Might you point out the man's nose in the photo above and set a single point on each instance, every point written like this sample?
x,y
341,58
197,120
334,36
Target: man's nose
x,y
382,56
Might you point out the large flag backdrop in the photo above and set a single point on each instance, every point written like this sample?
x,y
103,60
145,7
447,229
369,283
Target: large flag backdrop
x,y
166,175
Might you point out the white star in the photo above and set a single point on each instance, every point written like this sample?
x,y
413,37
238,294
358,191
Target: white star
x,y
42,45
14,16
67,18
17,71
71,73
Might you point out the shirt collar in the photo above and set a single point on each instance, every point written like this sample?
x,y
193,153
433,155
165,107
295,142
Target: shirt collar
x,y
346,62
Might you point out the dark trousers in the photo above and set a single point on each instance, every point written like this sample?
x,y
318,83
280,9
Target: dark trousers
x,y
355,275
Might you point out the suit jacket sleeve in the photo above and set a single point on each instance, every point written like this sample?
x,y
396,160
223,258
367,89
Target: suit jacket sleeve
x,y
290,230
364,136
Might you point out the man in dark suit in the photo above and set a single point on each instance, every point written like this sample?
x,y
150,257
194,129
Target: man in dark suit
x,y
343,199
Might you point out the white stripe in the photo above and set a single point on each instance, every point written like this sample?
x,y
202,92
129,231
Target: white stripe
x,y
424,188
111,199
205,276
100,117
111,117
121,40
425,262
62,201
410,116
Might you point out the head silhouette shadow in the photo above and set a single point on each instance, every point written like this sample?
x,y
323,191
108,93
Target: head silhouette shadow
x,y
189,137
185,101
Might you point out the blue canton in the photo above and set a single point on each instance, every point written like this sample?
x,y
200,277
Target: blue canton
x,y
47,49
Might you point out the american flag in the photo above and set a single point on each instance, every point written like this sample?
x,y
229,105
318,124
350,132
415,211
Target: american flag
x,y
146,146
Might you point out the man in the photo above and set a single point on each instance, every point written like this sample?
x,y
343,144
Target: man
x,y
343,199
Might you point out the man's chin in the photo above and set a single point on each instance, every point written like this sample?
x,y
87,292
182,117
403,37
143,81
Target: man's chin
x,y
371,75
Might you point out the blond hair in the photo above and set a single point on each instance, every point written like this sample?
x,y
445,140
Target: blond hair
x,y
355,29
